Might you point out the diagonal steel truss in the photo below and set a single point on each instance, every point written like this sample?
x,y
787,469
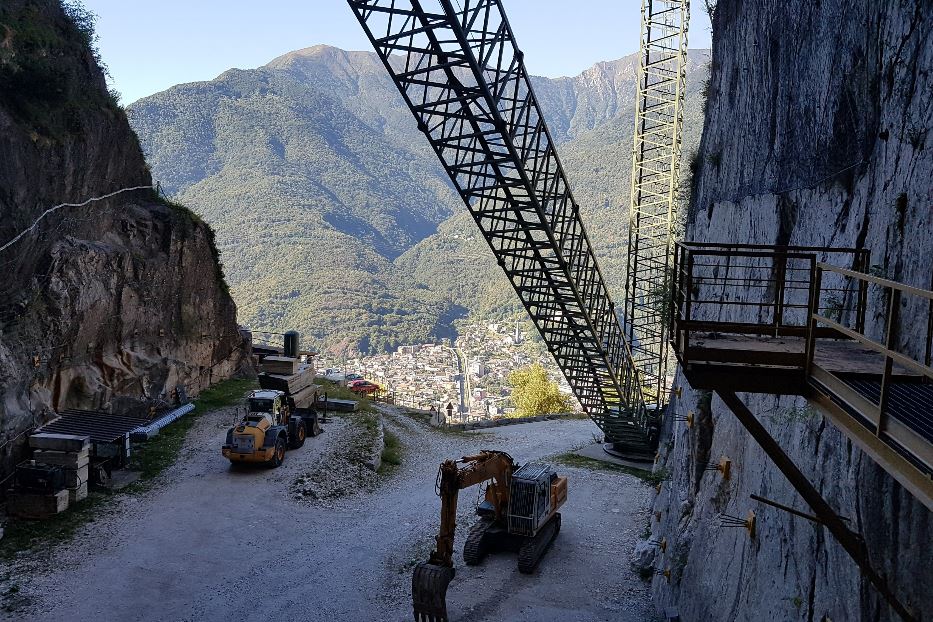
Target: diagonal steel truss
x,y
462,75
655,175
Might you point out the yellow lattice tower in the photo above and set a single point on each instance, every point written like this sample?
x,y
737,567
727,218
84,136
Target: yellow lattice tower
x,y
655,175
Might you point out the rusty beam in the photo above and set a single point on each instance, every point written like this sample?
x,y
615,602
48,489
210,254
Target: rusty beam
x,y
838,401
850,541
790,510
744,378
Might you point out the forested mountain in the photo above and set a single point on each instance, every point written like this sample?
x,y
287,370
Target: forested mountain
x,y
332,213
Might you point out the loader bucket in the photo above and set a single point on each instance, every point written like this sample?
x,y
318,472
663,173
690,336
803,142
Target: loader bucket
x,y
429,592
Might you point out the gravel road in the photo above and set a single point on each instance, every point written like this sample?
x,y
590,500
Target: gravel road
x,y
212,543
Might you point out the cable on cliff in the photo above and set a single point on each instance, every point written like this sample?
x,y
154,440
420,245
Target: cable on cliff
x,y
55,208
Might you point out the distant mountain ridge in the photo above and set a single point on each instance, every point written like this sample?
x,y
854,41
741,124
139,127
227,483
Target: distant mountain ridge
x,y
332,213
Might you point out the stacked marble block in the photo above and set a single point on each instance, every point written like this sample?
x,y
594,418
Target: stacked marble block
x,y
72,453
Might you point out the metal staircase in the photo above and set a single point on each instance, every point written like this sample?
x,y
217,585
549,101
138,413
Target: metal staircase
x,y
461,73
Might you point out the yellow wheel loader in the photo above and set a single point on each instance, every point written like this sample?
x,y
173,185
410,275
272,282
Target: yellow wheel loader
x,y
271,425
519,513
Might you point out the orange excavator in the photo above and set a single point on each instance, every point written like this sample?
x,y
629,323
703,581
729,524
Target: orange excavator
x,y
518,513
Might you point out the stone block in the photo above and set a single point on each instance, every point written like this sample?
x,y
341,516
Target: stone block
x,y
67,459
78,493
643,556
60,442
76,477
37,507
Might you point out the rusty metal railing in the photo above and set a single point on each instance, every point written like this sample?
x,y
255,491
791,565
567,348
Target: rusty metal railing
x,y
790,320
716,287
892,404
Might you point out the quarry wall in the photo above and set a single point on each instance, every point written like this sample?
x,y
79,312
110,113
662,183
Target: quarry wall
x,y
817,132
111,305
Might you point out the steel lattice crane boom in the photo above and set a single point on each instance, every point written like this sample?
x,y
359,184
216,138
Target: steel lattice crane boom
x,y
463,77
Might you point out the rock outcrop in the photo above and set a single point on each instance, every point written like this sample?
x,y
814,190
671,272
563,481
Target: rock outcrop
x,y
817,133
113,304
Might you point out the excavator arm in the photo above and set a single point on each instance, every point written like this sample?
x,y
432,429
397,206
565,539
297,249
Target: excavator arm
x,y
430,579
452,478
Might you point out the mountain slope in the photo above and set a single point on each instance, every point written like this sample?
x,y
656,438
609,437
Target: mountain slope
x,y
331,211
591,116
310,203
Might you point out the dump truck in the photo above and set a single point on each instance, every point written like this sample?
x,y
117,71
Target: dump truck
x,y
273,423
518,513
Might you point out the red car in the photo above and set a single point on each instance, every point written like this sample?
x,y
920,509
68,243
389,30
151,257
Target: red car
x,y
363,386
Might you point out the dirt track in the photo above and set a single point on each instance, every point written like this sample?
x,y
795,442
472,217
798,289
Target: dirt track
x,y
211,543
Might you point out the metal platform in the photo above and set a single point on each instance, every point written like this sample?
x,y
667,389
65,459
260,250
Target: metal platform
x,y
812,339
781,320
909,403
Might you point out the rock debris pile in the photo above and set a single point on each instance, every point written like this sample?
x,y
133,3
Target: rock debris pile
x,y
340,470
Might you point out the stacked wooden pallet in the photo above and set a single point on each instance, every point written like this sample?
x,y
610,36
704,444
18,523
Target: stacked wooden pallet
x,y
323,404
305,397
280,365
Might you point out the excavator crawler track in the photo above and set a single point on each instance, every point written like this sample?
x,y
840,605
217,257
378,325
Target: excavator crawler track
x,y
475,548
536,546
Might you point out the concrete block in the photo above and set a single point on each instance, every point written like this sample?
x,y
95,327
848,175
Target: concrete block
x,y
27,505
76,477
66,459
60,442
78,493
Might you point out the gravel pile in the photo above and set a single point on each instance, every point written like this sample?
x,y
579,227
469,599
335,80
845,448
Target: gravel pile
x,y
339,471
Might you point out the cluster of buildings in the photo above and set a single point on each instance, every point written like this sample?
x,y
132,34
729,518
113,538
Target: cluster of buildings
x,y
418,376
492,351
470,375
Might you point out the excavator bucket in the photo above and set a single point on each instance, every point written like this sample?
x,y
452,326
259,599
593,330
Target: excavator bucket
x,y
429,592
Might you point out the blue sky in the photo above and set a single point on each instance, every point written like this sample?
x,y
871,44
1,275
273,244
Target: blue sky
x,y
150,46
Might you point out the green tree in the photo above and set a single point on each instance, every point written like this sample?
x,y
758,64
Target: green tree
x,y
533,393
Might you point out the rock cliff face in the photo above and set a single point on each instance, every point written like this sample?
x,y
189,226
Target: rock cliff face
x,y
818,133
113,304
